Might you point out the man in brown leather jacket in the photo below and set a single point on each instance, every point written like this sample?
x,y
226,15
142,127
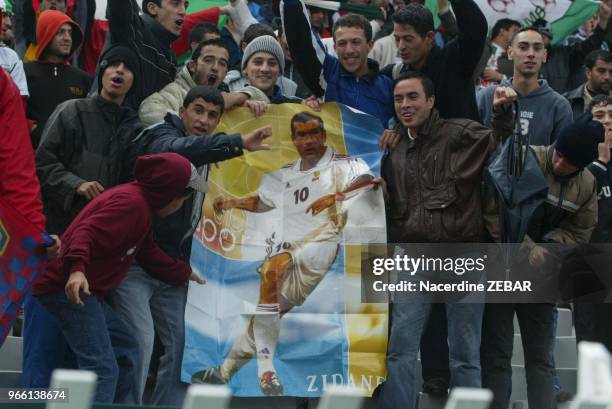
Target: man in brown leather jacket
x,y
433,179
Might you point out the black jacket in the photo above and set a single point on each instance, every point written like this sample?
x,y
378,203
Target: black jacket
x,y
149,40
576,100
173,233
603,175
565,60
84,141
294,75
50,85
452,68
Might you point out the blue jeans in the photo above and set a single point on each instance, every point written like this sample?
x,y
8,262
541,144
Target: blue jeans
x,y
148,305
101,342
44,346
408,322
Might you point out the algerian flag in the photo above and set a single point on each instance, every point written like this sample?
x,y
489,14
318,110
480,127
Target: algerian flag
x,y
199,5
565,16
369,12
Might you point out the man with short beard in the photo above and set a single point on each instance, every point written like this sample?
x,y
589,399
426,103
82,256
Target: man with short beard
x,y
51,78
598,70
26,19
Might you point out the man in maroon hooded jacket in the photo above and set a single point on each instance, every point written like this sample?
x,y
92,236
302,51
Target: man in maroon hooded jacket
x,y
100,244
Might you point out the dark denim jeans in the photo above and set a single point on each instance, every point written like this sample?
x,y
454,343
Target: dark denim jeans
x,y
409,320
101,342
593,323
536,322
434,346
44,347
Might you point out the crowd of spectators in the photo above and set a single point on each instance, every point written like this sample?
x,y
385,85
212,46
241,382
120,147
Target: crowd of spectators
x,y
83,101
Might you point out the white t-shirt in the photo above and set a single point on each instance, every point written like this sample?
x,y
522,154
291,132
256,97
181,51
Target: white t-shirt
x,y
293,191
10,62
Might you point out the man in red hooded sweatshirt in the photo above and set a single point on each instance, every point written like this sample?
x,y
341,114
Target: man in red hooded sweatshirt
x,y
112,231
51,78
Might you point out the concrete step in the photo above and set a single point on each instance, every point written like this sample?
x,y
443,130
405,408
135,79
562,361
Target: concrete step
x,y
11,353
522,404
565,324
10,379
566,355
567,380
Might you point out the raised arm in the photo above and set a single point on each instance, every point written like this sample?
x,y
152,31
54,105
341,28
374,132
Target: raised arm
x,y
123,21
476,143
200,150
580,49
306,49
448,21
469,43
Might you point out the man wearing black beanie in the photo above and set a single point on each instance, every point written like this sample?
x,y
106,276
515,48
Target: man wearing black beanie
x,y
568,216
81,154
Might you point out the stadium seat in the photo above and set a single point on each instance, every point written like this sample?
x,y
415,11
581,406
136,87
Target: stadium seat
x,y
207,396
469,398
11,353
594,377
341,397
80,386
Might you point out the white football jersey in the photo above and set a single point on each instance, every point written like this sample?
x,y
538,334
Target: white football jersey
x,y
293,191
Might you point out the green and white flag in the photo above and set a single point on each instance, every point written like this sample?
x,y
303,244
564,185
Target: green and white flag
x,y
565,15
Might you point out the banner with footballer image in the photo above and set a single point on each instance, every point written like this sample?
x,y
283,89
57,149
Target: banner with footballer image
x,y
281,313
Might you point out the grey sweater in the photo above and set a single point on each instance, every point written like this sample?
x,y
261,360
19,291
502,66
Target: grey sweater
x,y
543,113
